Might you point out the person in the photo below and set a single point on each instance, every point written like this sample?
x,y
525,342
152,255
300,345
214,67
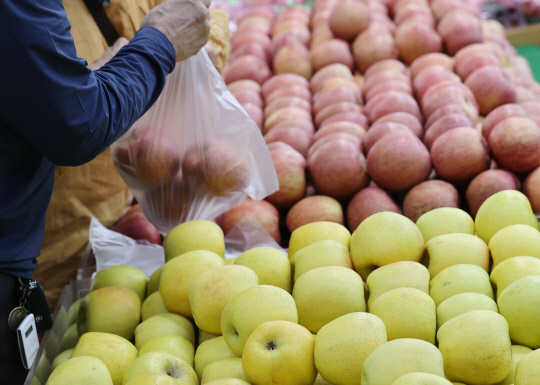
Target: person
x,y
95,189
54,110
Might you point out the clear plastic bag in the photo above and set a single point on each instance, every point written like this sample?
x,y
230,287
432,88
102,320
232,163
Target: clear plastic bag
x,y
195,153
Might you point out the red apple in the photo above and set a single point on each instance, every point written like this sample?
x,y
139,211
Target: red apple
x,y
349,18
415,39
388,85
471,64
297,138
367,202
331,52
427,196
531,189
135,225
488,183
387,65
289,90
336,95
429,59
377,131
499,114
447,109
336,70
431,76
255,113
353,117
374,44
405,118
282,80
490,87
246,67
444,124
336,108
314,208
346,127
243,85
459,28
392,101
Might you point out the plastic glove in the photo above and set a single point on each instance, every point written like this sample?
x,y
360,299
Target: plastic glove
x,y
186,23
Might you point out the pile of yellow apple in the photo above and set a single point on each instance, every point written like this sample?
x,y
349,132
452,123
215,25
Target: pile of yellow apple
x,y
445,300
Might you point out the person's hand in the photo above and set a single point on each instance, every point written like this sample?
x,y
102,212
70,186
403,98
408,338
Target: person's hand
x,y
109,53
186,23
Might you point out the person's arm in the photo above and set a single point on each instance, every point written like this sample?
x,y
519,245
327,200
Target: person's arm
x,y
51,98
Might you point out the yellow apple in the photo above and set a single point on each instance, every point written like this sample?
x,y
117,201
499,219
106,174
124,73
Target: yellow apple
x,y
463,303
116,352
407,313
153,305
342,346
512,269
153,282
228,381
326,293
386,364
70,338
174,344
112,309
73,312
161,363
419,378
476,347
153,379
518,352
319,254
519,303
317,231
164,324
502,209
52,347
122,275
270,264
252,307
447,250
197,234
444,220
514,241
226,368
528,369
463,278
43,369
230,261
384,238
35,381
81,370
321,381
212,290
209,351
395,275
179,273
64,356
280,352
204,336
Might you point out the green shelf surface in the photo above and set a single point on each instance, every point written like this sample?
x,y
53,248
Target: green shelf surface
x,y
531,52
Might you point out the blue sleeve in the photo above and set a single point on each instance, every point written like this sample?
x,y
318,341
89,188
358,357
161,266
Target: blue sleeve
x,y
50,96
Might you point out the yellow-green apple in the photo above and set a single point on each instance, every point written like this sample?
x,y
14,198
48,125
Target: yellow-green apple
x,y
499,114
64,356
419,378
209,351
317,231
491,88
122,275
326,293
70,338
197,234
384,238
321,253
396,275
408,164
43,369
314,208
210,292
153,379
261,213
164,324
519,303
251,308
528,369
203,336
512,269
153,305
270,264
459,155
320,380
52,347
444,124
427,196
73,312
116,352
518,352
444,220
407,313
476,347
459,28
373,44
502,209
488,183
35,381
463,303
110,309
386,364
81,370
280,352
367,202
456,279
161,363
179,272
513,241
513,136
226,368
447,250
153,282
171,343
228,381
348,19
427,60
342,346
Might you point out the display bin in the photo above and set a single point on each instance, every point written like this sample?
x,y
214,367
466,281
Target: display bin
x,y
50,342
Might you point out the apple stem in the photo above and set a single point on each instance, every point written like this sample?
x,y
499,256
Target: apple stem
x,y
271,345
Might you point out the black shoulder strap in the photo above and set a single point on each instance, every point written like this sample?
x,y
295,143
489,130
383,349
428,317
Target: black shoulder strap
x,y
102,20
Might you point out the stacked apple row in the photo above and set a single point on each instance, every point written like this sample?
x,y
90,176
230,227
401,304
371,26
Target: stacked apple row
x,y
461,296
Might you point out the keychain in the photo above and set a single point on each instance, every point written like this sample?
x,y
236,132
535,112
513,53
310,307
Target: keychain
x,y
18,314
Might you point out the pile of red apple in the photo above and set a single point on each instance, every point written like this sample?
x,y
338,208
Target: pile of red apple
x,y
369,106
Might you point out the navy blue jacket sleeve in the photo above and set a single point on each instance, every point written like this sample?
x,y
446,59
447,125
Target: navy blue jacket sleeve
x,y
51,97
